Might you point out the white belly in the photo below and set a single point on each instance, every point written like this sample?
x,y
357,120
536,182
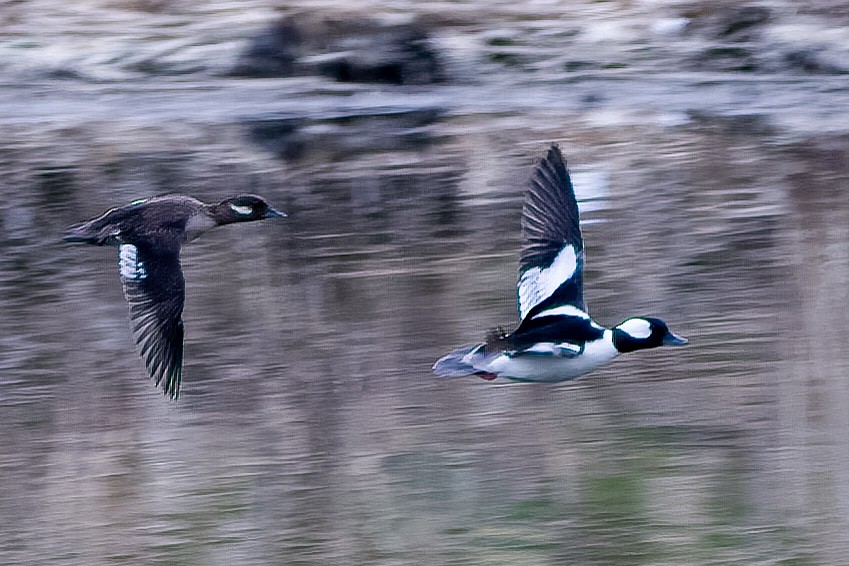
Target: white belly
x,y
536,367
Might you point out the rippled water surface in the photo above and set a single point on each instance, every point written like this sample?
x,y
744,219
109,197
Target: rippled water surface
x,y
310,429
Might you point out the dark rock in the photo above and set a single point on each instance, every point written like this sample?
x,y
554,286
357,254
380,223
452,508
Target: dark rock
x,y
574,66
348,49
728,21
735,34
739,40
728,58
743,19
813,61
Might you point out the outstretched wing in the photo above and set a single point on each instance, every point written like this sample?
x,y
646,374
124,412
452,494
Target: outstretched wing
x,y
155,290
552,259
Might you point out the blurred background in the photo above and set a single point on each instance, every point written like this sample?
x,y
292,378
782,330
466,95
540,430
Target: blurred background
x,y
708,142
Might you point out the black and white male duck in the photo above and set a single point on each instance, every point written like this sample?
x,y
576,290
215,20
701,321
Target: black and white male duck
x,y
150,233
556,339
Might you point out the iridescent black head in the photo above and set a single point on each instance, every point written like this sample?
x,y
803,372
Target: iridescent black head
x,y
642,333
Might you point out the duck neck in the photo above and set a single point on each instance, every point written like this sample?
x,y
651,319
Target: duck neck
x,y
199,223
624,342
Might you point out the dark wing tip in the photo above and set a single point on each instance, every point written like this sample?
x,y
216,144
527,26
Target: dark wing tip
x,y
171,381
550,186
554,155
551,172
161,348
550,216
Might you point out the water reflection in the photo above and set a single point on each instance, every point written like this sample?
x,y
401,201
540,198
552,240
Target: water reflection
x,y
311,430
375,131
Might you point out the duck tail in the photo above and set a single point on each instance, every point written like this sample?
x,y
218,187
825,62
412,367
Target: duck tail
x,y
89,233
456,363
79,233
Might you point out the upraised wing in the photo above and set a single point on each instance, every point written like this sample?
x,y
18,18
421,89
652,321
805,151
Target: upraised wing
x,y
552,259
155,290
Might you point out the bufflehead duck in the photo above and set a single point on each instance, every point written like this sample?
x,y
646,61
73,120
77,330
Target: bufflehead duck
x,y
149,233
556,339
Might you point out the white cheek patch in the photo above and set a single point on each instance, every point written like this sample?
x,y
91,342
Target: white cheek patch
x,y
131,268
242,210
536,284
636,327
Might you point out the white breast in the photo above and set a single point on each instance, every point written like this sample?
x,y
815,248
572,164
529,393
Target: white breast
x,y
554,368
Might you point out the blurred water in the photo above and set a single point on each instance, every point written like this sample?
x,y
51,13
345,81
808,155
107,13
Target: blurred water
x,y
310,430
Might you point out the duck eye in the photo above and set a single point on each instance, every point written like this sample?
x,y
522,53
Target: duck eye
x,y
242,210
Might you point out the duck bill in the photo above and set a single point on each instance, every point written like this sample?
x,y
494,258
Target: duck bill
x,y
271,213
674,340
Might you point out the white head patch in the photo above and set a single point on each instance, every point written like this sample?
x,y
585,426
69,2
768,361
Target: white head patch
x,y
636,327
536,284
242,210
131,268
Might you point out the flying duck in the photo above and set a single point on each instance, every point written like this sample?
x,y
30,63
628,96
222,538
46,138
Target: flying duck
x,y
556,339
149,233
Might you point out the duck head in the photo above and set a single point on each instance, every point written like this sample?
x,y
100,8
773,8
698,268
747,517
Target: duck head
x,y
643,333
244,208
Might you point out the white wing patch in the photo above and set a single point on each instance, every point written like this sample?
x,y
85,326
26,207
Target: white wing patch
x,y
564,310
132,269
562,349
536,284
567,310
636,327
242,210
544,348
